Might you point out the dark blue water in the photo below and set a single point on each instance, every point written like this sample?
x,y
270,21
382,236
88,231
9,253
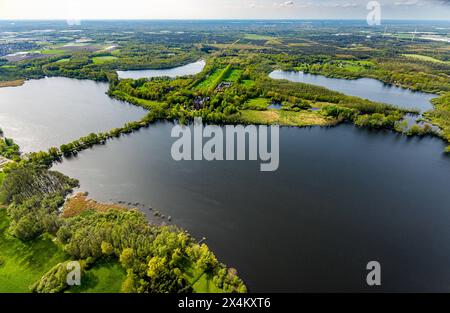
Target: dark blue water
x,y
341,197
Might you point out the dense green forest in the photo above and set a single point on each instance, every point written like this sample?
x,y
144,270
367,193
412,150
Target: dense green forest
x,y
154,258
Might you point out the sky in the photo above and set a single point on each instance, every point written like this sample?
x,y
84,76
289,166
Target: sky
x,y
220,9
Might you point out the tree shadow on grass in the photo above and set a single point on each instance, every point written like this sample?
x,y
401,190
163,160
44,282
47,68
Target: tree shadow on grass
x,y
88,282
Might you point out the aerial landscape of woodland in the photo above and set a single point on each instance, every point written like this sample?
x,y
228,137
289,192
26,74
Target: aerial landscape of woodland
x,y
86,113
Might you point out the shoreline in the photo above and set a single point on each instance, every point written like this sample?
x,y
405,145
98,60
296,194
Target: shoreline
x,y
12,83
78,202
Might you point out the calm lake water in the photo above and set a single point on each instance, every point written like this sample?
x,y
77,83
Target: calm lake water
x,y
342,197
367,88
188,69
53,111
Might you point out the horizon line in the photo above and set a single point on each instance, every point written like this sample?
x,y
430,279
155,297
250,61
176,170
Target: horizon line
x,y
218,19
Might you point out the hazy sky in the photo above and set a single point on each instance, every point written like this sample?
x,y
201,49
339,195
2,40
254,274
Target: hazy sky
x,y
220,9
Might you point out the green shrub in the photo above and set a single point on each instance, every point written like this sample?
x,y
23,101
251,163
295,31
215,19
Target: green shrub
x,y
401,126
55,280
341,113
377,120
9,149
417,130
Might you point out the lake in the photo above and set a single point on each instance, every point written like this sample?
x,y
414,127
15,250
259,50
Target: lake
x,y
53,111
366,88
341,197
188,69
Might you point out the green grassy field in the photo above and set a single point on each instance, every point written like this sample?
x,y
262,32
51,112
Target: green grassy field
x,y
259,117
257,104
22,264
201,282
274,42
53,51
356,66
233,76
210,80
424,58
258,37
286,118
104,59
247,82
104,277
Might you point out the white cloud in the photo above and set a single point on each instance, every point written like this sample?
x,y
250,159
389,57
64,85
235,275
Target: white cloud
x,y
284,4
406,2
288,3
349,5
